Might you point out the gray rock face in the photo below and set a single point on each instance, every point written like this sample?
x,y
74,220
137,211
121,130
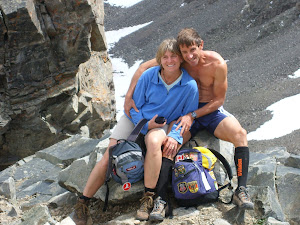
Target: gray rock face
x,y
55,75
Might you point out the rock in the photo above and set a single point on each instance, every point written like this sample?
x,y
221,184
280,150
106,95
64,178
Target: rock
x,y
8,209
262,170
293,161
66,151
47,181
266,202
273,221
66,198
220,222
287,181
38,215
56,77
7,188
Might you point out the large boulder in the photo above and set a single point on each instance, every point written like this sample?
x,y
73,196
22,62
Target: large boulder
x,y
55,74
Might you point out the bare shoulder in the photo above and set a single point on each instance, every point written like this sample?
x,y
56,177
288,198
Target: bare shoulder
x,y
215,57
218,61
219,65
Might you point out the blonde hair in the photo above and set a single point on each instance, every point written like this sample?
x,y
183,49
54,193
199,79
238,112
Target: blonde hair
x,y
167,45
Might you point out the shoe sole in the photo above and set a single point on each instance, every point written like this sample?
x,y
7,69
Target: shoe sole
x,y
156,218
248,206
142,219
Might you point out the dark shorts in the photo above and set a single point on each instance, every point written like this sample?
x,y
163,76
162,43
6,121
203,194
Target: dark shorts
x,y
209,121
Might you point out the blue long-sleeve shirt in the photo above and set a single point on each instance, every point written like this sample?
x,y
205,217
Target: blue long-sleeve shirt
x,y
151,97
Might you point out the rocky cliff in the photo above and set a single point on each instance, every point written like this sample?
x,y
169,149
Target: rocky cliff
x,y
55,74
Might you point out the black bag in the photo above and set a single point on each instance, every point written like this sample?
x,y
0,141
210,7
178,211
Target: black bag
x,y
194,184
126,161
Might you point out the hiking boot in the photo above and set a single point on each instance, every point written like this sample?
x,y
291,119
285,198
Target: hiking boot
x,y
159,210
242,199
81,212
146,206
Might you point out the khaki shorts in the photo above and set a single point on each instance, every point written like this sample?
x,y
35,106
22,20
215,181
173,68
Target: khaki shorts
x,y
124,128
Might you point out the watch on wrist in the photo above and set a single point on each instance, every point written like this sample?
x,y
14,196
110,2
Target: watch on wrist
x,y
194,115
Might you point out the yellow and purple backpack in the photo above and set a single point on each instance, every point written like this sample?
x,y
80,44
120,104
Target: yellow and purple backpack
x,y
193,179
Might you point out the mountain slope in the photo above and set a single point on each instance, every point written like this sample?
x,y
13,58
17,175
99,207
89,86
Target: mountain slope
x,y
260,40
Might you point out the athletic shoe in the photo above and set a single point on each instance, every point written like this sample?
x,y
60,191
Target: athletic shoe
x,y
242,199
146,206
159,210
81,212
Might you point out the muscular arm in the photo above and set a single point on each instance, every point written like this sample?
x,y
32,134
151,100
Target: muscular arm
x,y
219,89
129,103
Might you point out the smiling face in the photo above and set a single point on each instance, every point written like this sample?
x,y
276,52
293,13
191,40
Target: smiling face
x,y
191,54
170,61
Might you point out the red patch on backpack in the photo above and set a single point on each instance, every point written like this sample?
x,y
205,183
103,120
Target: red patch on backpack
x,y
131,168
126,186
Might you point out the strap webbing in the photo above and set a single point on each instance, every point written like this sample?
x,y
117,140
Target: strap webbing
x,y
224,162
136,131
107,177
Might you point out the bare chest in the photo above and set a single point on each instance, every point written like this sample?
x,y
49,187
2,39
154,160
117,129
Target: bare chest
x,y
203,77
205,81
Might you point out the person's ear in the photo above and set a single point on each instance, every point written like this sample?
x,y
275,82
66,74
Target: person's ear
x,y
201,45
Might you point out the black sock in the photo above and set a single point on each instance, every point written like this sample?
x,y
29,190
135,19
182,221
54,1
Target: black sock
x,y
85,198
150,189
241,159
164,178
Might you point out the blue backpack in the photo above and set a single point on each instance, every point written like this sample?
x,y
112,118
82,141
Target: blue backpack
x,y
194,184
126,161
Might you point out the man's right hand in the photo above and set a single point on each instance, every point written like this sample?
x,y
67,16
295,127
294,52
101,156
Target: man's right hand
x,y
128,104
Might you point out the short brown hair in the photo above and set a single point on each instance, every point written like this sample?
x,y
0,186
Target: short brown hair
x,y
167,45
188,37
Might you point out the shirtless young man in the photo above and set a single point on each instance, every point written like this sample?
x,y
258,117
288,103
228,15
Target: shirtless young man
x,y
209,70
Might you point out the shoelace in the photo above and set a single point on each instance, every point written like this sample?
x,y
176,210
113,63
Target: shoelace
x,y
158,205
243,194
147,202
81,210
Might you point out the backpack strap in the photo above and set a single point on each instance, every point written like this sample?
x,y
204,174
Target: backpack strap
x,y
137,129
107,177
224,162
229,172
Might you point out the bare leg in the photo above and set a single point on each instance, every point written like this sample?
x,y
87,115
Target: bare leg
x,y
153,140
229,129
97,176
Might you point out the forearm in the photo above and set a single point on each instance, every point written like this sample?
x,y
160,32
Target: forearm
x,y
137,75
209,108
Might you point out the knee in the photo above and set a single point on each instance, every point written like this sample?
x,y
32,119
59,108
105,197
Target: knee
x,y
152,141
240,138
154,147
242,133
